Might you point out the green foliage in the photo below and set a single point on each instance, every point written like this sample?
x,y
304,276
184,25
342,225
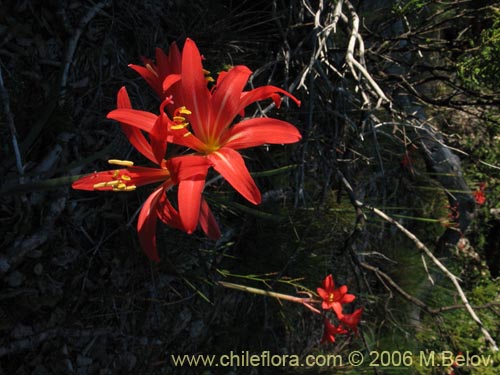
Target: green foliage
x,y
479,67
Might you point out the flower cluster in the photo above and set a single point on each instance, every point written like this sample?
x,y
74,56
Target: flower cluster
x,y
334,299
196,113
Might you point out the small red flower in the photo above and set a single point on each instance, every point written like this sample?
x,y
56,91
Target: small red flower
x,y
334,298
351,321
479,195
330,331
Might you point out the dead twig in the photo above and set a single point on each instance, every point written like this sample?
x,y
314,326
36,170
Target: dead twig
x,y
9,119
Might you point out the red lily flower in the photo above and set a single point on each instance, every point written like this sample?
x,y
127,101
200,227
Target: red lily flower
x,y
351,321
211,114
334,298
184,171
330,331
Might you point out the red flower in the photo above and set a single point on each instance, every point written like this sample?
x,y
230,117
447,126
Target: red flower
x,y
334,298
211,113
185,171
155,74
351,321
479,195
330,331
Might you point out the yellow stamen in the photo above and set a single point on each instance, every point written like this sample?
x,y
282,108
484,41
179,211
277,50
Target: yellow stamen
x,y
184,111
178,127
100,185
112,183
209,79
121,186
130,188
123,163
116,173
126,178
179,119
206,72
187,134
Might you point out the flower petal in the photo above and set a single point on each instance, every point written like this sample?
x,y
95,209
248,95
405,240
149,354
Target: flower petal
x,y
162,65
328,284
146,225
168,214
208,223
170,80
337,307
258,131
134,135
186,167
189,197
174,59
140,176
348,298
231,166
226,99
88,182
264,92
323,293
133,117
195,94
152,79
185,138
159,134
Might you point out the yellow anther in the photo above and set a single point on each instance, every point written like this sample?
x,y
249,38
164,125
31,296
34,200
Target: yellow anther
x,y
130,188
187,134
123,163
116,173
151,69
179,119
178,127
209,79
184,111
112,183
121,186
206,72
100,185
126,178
